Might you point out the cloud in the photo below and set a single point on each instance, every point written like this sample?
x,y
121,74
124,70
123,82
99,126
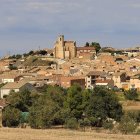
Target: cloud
x,y
38,22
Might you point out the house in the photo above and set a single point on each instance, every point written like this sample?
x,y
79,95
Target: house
x,y
6,78
93,76
86,52
37,81
135,82
131,52
119,60
16,87
106,83
118,78
68,81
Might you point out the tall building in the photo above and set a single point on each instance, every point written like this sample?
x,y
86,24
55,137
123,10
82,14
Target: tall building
x,y
64,49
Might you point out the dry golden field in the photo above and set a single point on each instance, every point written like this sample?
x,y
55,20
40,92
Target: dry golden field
x,y
59,134
131,105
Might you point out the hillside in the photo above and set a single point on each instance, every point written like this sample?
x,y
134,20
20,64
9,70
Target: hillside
x,y
35,61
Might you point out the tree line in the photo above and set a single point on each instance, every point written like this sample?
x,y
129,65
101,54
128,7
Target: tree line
x,y
71,108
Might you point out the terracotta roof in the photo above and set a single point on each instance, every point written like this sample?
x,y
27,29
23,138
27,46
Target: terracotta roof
x,y
118,73
14,85
101,73
85,48
8,76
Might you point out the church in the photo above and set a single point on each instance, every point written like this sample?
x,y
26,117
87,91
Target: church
x,y
64,49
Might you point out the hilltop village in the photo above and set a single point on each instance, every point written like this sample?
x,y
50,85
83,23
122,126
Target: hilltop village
x,y
66,64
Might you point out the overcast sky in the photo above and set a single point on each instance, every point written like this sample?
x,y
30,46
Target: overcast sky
x,y
28,24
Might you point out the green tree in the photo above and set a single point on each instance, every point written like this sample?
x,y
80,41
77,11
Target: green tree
x,y
11,117
12,67
104,104
18,56
21,100
74,101
41,114
43,52
57,95
31,53
87,44
96,46
85,99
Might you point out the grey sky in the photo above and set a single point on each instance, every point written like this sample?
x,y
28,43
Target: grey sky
x,y
28,24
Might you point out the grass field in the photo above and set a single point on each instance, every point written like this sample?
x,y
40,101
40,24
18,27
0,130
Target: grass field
x,y
59,134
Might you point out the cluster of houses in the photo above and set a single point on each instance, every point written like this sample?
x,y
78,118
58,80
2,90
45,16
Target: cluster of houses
x,y
73,65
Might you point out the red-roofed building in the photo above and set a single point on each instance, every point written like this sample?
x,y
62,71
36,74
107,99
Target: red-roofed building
x,y
86,52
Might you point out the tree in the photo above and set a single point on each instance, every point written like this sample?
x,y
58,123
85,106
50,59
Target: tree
x,y
51,54
25,55
87,44
43,52
12,67
31,53
18,56
11,117
42,112
74,101
104,104
20,100
131,94
85,99
58,95
96,46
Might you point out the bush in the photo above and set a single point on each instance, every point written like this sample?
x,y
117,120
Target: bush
x,y
84,123
11,117
72,123
131,94
127,124
108,124
95,122
135,115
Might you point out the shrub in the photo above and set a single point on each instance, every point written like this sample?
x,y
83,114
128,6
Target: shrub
x,y
131,94
95,122
134,115
108,124
72,123
84,123
11,117
127,124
